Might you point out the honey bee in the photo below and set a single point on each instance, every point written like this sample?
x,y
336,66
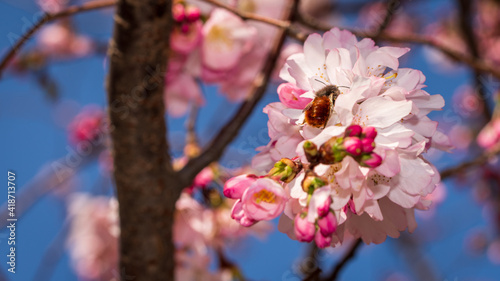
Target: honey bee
x,y
318,111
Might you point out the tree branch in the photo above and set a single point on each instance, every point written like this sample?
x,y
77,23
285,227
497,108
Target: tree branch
x,y
347,257
478,161
465,22
475,63
312,258
48,17
50,177
147,187
213,151
411,251
225,263
53,254
392,5
250,16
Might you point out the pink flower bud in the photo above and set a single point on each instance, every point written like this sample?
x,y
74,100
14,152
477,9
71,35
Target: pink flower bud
x,y
246,221
192,13
289,95
353,145
235,187
370,132
496,126
322,241
324,209
353,131
327,224
352,207
368,145
487,138
237,211
178,12
204,177
372,160
185,28
304,230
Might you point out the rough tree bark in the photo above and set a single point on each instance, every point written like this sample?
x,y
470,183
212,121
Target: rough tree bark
x,y
145,182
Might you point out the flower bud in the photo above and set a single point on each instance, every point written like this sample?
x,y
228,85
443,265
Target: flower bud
x,y
192,13
353,131
304,230
367,145
185,28
331,151
327,224
237,211
372,160
351,205
246,221
324,208
289,95
312,181
322,241
178,13
285,170
236,186
353,146
311,152
370,132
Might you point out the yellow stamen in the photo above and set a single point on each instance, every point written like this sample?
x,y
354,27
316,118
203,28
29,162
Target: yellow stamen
x,y
394,75
219,35
264,196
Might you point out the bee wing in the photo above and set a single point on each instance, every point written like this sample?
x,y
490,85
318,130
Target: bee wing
x,y
308,106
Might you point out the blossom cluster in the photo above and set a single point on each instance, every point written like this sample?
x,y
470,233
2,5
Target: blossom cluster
x,y
363,173
201,227
215,46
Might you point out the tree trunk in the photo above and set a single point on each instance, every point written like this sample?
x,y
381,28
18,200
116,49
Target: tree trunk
x,y
145,182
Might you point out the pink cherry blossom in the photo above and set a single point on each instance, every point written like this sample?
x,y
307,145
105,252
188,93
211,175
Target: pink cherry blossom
x,y
204,177
93,236
327,224
322,241
264,200
236,186
380,118
290,96
226,39
304,230
87,125
181,90
59,40
324,209
489,137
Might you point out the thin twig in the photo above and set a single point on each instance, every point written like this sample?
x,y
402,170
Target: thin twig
x,y
53,254
49,179
216,147
411,251
225,263
347,257
475,63
478,161
392,5
282,24
191,137
48,17
250,16
465,21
